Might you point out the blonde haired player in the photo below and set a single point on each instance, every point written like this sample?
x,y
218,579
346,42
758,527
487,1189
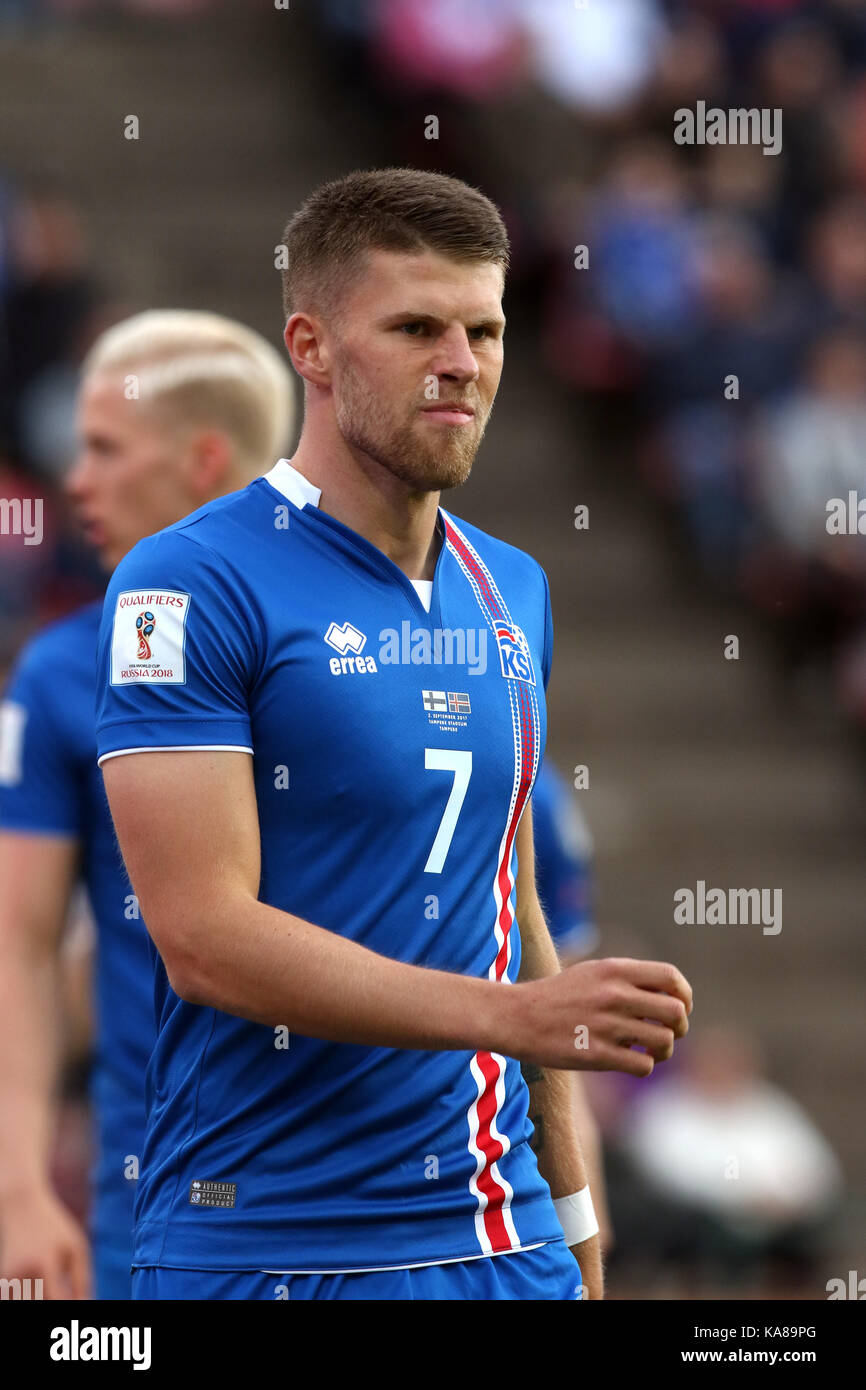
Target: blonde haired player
x,y
176,408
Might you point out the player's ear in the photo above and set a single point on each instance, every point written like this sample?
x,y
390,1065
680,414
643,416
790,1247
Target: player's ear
x,y
307,346
212,460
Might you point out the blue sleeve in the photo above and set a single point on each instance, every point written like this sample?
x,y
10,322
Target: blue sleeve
x,y
547,655
563,863
179,647
41,787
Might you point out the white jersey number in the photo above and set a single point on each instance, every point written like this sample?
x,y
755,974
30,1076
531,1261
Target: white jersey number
x,y
460,763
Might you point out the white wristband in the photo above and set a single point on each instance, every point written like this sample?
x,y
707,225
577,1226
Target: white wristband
x,y
576,1216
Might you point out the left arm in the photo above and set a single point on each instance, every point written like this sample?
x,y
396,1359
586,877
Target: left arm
x,y
551,1093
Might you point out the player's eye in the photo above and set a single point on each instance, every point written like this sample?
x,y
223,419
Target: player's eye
x,y
407,327
100,446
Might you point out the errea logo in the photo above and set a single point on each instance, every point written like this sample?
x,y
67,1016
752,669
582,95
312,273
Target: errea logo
x,y
345,638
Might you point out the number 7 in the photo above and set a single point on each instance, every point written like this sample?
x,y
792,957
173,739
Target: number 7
x,y
460,763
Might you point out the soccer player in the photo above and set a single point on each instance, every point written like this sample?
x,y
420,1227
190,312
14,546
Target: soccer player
x,y
325,835
175,408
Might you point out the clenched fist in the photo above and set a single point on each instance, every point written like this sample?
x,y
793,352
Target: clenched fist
x,y
593,1015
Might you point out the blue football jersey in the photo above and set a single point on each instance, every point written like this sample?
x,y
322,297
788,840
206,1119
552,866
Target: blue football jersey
x,y
50,784
394,750
563,862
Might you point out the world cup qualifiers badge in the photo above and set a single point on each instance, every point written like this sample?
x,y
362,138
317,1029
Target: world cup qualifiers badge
x,y
144,625
514,653
138,614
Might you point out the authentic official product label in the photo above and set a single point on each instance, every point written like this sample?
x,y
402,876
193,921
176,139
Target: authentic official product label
x,y
212,1194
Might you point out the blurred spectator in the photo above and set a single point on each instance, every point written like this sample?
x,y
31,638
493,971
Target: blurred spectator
x,y
25,567
741,349
433,46
50,308
798,72
812,451
47,299
595,58
836,256
740,183
815,450
638,290
743,1173
691,64
849,136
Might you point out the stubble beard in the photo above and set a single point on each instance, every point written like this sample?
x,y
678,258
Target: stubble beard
x,y
425,466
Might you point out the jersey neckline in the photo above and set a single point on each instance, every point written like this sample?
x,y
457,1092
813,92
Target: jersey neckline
x,y
285,479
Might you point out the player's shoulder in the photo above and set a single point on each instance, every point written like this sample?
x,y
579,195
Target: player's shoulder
x,y
499,556
207,540
62,646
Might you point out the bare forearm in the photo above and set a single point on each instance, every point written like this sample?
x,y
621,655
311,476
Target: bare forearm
x,y
560,1157
554,1106
275,968
28,1069
593,1158
36,876
187,824
552,1097
556,1144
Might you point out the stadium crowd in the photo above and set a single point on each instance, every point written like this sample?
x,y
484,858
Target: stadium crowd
x,y
721,306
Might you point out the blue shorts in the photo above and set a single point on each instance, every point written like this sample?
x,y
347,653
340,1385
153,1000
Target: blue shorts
x,y
112,1270
549,1273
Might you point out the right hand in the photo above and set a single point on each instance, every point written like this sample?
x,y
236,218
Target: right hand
x,y
590,1015
40,1239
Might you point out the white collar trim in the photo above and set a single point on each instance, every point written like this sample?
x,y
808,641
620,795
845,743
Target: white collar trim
x,y
293,484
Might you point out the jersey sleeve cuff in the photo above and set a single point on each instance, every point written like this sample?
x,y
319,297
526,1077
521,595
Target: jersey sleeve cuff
x,y
160,736
35,823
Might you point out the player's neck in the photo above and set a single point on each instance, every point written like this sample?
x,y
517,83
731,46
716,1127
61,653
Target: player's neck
x,y
368,499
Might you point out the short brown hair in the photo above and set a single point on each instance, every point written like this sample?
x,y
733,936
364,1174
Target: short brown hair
x,y
410,210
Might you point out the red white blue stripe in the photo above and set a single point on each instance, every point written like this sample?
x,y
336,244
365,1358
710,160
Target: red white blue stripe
x,y
494,1223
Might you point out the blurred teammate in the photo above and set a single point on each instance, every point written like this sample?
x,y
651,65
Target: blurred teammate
x,y
174,409
563,865
563,876
321,806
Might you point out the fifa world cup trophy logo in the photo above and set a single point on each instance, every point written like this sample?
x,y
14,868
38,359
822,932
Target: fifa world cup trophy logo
x,y
144,625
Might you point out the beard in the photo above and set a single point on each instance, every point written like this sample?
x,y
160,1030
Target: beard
x,y
442,461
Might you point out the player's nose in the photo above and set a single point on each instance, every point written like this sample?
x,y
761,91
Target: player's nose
x,y
76,479
458,361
